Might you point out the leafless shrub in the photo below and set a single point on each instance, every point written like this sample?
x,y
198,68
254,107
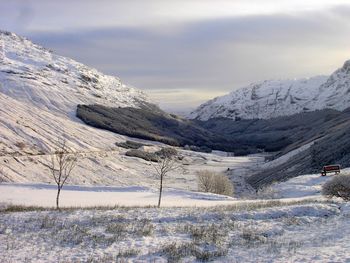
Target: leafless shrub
x,y
175,252
222,185
48,222
206,255
131,252
204,180
214,183
20,145
338,186
290,221
142,227
103,219
73,235
120,257
11,243
252,236
118,229
208,234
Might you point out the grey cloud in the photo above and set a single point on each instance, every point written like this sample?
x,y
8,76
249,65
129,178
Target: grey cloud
x,y
209,55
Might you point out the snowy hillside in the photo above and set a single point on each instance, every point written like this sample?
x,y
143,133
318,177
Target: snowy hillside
x,y
39,93
273,98
35,75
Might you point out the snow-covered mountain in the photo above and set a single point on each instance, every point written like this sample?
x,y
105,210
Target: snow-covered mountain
x,y
39,94
273,98
35,75
39,88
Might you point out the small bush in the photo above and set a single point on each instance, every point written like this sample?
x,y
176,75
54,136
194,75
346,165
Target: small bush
x,y
152,157
204,180
167,152
203,149
210,234
175,252
129,145
338,186
118,229
20,145
222,185
214,183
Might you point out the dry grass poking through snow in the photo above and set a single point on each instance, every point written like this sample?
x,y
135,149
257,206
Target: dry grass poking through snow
x,y
244,232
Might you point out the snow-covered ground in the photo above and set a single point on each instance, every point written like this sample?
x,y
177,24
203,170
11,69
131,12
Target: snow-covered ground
x,y
300,226
31,194
272,232
87,196
113,168
303,186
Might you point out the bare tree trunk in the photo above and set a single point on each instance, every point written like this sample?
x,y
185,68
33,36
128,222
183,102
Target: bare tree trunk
x,y
58,197
160,190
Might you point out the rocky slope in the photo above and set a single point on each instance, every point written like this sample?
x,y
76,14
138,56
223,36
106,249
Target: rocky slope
x,y
273,98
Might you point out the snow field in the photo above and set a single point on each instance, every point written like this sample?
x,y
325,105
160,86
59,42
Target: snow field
x,y
296,232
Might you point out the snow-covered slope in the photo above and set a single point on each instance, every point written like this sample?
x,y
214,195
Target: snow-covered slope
x,y
273,98
33,74
39,93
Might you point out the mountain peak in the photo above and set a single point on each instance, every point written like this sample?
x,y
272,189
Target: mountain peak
x,y
273,98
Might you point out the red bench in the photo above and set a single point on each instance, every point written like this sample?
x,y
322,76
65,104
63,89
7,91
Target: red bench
x,y
334,168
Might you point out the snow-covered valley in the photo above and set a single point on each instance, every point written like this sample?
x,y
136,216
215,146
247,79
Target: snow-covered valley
x,y
108,203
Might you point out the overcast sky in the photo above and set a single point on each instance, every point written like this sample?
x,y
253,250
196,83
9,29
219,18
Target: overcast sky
x,y
185,52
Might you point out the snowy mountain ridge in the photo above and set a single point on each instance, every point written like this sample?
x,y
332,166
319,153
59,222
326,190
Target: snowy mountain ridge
x,y
35,75
274,98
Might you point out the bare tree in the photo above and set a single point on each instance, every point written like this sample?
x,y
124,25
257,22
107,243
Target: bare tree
x,y
166,163
61,166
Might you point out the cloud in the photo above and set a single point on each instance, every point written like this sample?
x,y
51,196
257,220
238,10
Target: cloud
x,y
87,14
184,64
